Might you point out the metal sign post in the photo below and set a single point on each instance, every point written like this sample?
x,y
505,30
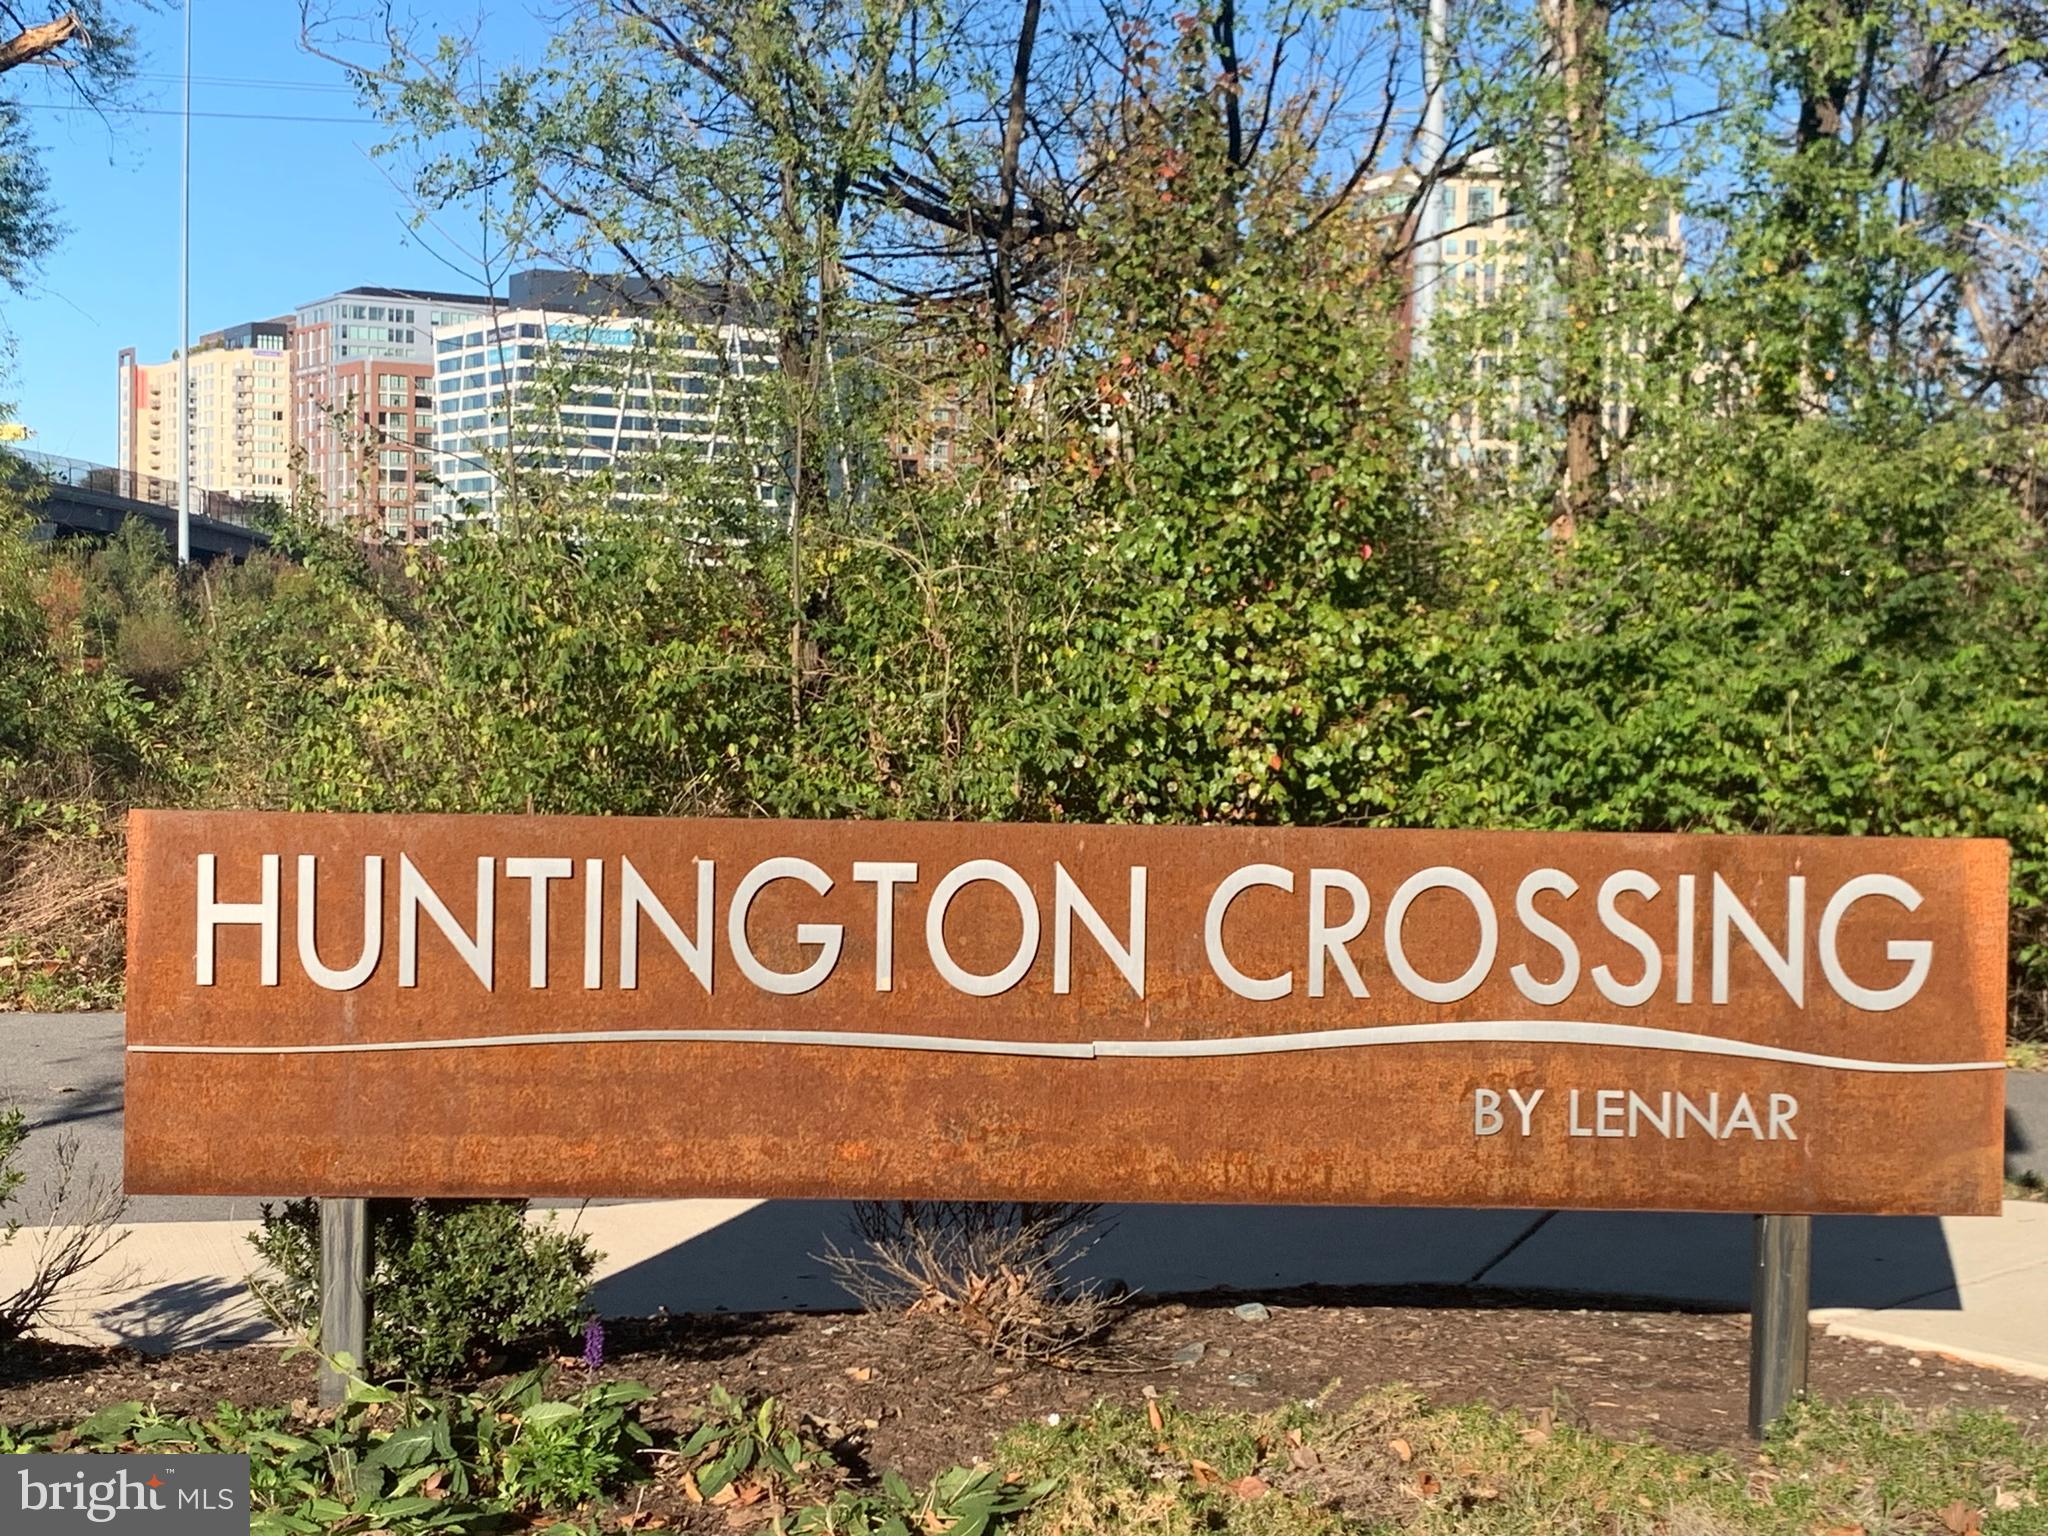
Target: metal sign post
x,y
344,1288
1780,1291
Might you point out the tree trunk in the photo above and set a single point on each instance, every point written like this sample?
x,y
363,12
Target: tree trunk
x,y
1582,27
800,340
1005,298
1823,75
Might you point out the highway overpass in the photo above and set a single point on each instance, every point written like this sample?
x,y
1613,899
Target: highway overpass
x,y
71,497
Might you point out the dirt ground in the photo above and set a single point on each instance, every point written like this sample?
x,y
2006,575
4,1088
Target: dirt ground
x,y
911,1396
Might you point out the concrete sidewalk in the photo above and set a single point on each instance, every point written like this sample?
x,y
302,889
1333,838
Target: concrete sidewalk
x,y
1968,1287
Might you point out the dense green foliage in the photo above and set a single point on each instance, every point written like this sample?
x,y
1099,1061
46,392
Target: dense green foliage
x,y
451,1282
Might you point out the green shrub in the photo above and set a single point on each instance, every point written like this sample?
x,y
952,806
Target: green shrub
x,y
153,649
399,1463
451,1281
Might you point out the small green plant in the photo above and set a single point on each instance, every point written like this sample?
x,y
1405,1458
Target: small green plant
x,y
396,1462
567,1452
740,1443
451,1282
965,1501
744,1453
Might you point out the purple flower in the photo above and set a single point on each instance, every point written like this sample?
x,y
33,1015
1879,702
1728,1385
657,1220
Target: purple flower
x,y
593,1345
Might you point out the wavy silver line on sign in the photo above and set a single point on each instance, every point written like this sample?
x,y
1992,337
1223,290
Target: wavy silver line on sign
x,y
1473,1032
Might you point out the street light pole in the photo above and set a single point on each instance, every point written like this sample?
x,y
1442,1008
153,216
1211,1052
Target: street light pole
x,y
1426,263
185,313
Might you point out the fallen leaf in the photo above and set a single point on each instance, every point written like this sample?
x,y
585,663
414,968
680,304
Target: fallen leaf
x,y
1154,1417
1403,1451
1839,1530
690,1489
2006,1499
1963,1519
1204,1473
861,1372
725,1495
1428,1485
1250,1486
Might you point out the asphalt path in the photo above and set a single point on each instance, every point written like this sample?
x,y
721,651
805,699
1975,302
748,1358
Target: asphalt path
x,y
65,1071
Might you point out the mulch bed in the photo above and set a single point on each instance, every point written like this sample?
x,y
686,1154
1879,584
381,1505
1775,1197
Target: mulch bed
x,y
914,1397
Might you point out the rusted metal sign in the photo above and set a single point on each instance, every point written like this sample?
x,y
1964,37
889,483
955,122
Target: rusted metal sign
x,y
442,1005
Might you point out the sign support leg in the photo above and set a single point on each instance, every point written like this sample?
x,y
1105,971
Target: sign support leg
x,y
1780,1288
344,1286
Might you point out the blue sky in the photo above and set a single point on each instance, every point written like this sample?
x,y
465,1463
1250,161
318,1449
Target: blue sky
x,y
282,211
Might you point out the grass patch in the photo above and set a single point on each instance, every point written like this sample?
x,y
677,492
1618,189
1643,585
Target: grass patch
x,y
2028,1186
2026,1056
63,900
523,1457
1390,1464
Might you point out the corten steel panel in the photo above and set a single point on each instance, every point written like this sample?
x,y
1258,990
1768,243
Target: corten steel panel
x,y
1365,1122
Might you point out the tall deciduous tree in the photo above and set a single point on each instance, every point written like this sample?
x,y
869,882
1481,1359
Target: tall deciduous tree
x,y
87,52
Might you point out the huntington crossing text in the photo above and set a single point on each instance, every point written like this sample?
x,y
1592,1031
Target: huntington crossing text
x,y
1677,938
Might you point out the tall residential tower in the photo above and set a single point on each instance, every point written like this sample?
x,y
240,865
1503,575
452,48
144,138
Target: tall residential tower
x,y
362,365
240,408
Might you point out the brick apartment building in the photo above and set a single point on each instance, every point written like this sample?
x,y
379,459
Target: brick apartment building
x,y
363,404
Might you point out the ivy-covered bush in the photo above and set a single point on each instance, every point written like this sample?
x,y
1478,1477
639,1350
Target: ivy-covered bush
x,y
452,1282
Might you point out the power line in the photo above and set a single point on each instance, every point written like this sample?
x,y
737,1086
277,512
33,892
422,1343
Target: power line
x,y
249,83
246,117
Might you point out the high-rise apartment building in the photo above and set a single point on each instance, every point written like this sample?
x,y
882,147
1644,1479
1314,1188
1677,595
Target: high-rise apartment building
x,y
148,448
1484,258
363,400
240,413
571,381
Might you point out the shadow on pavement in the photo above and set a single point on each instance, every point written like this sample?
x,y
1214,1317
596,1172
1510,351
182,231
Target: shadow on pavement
x,y
766,1259
76,1106
185,1313
2026,1124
